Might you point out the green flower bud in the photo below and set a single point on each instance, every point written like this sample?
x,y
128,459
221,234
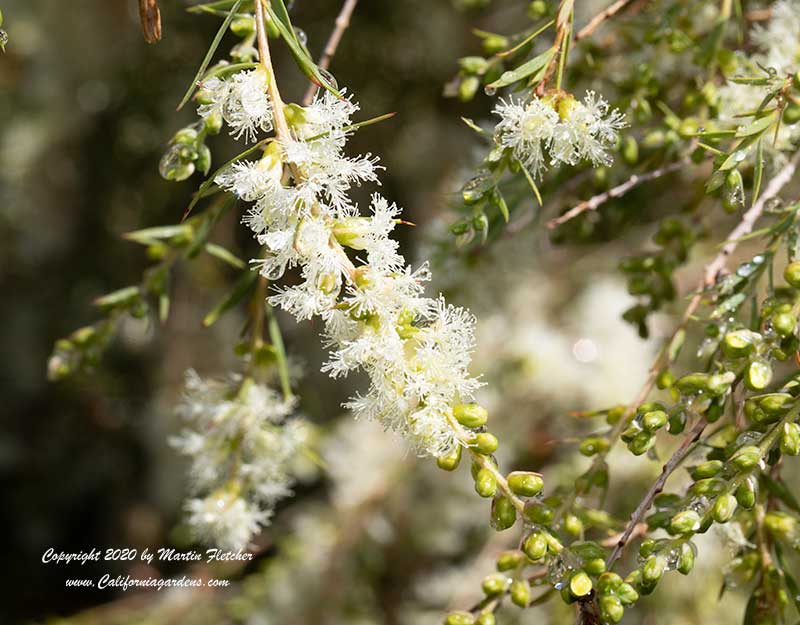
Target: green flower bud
x,y
608,582
573,525
641,443
539,513
509,560
630,150
243,26
525,483
707,469
468,87
647,547
494,44
580,584
473,64
784,323
535,546
185,136
627,594
724,507
709,486
745,458
213,123
685,522
686,559
470,415
774,404
203,162
615,414
537,9
781,525
611,610
792,274
677,420
719,383
485,483
486,618
791,114
653,569
450,461
520,593
692,383
740,343
746,494
459,618
655,420
758,375
665,379
494,584
595,566
790,439
594,445
504,514
485,443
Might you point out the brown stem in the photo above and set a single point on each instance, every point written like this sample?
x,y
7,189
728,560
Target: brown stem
x,y
342,22
710,273
601,17
620,190
667,470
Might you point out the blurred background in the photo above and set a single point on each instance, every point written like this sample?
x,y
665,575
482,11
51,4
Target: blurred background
x,y
378,536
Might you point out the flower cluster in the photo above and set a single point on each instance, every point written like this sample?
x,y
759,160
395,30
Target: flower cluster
x,y
558,125
415,349
241,447
240,101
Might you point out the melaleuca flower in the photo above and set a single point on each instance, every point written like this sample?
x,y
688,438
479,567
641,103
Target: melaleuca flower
x,y
560,126
416,350
241,446
241,101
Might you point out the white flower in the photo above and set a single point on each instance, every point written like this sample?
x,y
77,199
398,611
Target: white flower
x,y
568,130
242,102
526,129
240,446
779,39
225,520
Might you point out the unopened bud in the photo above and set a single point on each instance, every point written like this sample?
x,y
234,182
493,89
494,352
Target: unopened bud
x,y
494,584
485,483
470,415
580,584
509,560
535,546
504,514
745,458
520,593
724,508
525,483
450,461
685,522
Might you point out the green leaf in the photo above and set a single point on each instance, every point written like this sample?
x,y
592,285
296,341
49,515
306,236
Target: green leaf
x,y
280,16
472,125
526,40
738,154
148,236
210,54
120,298
759,169
500,202
758,126
532,183
535,65
235,296
225,255
728,305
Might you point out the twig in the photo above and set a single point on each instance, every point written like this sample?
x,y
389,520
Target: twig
x,y
601,17
664,358
620,190
656,488
342,22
